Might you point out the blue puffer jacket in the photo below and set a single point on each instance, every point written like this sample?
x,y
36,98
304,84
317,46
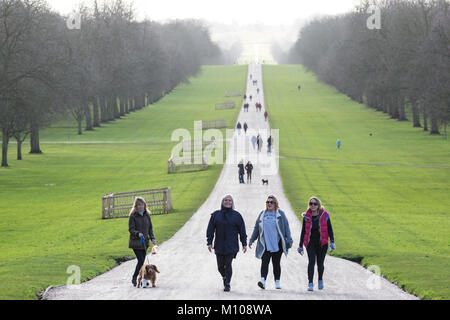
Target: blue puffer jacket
x,y
225,225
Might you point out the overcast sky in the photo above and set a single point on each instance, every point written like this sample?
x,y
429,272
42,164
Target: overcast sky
x,y
272,12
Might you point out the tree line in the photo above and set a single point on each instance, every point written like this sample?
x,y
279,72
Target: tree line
x,y
97,68
403,63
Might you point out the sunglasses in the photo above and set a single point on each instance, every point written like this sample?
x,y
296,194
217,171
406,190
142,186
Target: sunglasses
x,y
270,201
313,204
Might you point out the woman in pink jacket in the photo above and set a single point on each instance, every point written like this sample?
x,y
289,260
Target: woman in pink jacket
x,y
316,230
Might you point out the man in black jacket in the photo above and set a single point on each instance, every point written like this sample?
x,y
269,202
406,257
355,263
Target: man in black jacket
x,y
225,225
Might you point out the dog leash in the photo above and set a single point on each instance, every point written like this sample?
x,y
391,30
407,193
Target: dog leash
x,y
151,253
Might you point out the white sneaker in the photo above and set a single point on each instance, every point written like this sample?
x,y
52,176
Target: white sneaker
x,y
277,284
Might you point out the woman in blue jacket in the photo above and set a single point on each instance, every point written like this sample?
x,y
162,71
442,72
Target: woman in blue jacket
x,y
274,238
225,225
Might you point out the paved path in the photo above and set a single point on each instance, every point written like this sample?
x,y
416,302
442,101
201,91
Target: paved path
x,y
189,271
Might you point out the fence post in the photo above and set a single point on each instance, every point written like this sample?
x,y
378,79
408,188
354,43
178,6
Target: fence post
x,y
169,199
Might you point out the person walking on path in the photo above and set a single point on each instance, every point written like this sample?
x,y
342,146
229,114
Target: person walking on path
x,y
274,238
239,127
265,115
224,227
249,168
338,143
245,127
241,171
316,230
269,144
254,142
260,143
141,231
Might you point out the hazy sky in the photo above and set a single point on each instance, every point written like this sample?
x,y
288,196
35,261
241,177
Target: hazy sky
x,y
273,12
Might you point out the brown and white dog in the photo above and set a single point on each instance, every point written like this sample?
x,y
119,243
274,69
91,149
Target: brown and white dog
x,y
147,272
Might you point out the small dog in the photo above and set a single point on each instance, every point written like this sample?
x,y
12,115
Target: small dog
x,y
265,182
147,272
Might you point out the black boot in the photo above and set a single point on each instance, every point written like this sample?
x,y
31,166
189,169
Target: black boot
x,y
134,281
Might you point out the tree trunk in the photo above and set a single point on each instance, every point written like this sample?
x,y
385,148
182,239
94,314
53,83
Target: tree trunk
x,y
122,106
88,116
425,118
416,115
127,105
19,148
434,125
80,130
401,110
103,110
96,112
34,138
116,108
5,141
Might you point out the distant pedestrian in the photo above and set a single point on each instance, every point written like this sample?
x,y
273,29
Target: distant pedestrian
x,y
254,142
260,143
241,171
274,238
141,232
265,115
245,96
224,227
316,230
251,97
269,144
257,90
239,127
338,143
245,127
249,169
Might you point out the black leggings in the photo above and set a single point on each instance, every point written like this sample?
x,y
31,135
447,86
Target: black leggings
x,y
140,255
276,259
224,265
315,250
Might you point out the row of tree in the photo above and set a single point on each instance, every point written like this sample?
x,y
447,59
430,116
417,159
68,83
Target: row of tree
x,y
98,67
389,54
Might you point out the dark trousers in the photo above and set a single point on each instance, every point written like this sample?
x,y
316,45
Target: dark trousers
x,y
241,178
249,176
276,259
316,252
224,265
140,255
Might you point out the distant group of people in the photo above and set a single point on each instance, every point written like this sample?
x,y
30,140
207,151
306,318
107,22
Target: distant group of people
x,y
248,168
273,236
258,106
239,127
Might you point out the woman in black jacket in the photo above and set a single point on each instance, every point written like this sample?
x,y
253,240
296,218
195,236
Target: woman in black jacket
x,y
141,231
225,225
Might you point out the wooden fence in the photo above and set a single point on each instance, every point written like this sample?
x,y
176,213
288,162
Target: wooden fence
x,y
214,124
225,105
118,205
233,94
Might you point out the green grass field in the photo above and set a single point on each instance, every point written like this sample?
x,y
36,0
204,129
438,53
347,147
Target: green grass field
x,y
50,204
395,217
